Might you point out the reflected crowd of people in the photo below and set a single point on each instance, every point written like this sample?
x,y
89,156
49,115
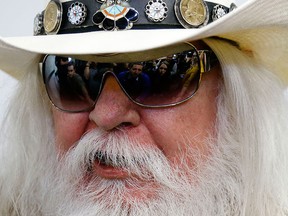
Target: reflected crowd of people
x,y
84,79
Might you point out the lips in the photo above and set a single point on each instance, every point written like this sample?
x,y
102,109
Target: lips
x,y
106,166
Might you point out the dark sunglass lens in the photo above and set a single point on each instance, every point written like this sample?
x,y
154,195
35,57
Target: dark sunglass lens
x,y
69,83
163,81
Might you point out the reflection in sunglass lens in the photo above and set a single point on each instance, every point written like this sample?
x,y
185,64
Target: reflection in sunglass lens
x,y
73,85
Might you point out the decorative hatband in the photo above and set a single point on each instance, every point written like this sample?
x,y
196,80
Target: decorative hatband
x,y
113,15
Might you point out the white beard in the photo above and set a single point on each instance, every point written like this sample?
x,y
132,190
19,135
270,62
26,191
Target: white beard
x,y
211,189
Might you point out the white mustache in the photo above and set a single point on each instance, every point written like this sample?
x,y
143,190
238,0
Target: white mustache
x,y
115,149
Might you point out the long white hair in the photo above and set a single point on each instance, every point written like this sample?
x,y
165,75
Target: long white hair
x,y
252,115
252,147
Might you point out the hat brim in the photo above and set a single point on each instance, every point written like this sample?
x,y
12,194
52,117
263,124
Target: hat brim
x,y
254,21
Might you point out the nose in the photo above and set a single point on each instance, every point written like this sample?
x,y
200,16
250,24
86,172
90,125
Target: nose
x,y
113,107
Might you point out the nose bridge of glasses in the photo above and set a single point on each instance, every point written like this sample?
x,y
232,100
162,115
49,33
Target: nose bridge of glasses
x,y
110,74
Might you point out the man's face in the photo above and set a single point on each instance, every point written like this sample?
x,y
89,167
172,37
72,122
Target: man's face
x,y
167,129
71,70
129,143
136,69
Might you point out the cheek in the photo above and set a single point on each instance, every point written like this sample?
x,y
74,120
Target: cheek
x,y
69,128
184,127
179,133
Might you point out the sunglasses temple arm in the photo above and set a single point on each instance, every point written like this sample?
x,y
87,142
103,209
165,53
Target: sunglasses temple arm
x,y
207,60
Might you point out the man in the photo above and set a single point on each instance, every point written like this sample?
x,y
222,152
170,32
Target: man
x,y
134,80
218,148
76,85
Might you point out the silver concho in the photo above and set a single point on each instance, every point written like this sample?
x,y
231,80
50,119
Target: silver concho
x,y
156,10
218,12
77,13
38,24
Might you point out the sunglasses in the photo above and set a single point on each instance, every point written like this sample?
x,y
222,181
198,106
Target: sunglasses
x,y
73,84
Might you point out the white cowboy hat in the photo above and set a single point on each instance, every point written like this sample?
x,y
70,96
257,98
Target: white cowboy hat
x,y
258,26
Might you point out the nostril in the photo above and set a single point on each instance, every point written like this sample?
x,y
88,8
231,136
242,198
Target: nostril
x,y
124,125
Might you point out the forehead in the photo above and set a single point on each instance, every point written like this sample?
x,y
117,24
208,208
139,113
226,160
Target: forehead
x,y
70,67
137,66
